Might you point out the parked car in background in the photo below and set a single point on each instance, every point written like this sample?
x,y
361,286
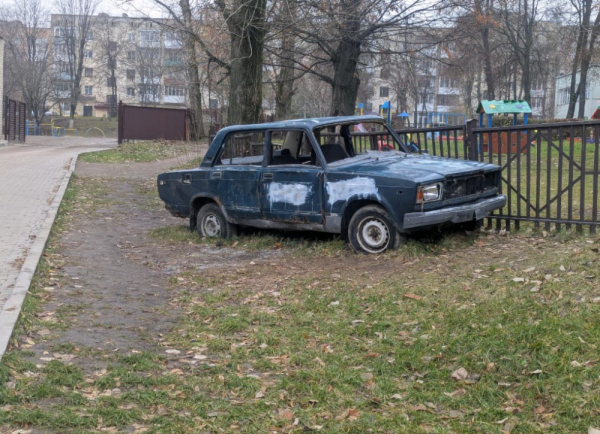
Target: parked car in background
x,y
345,175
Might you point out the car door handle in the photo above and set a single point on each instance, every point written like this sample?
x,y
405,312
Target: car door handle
x,y
267,176
187,178
216,175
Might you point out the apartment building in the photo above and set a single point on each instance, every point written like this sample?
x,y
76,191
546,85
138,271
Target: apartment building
x,y
127,59
592,93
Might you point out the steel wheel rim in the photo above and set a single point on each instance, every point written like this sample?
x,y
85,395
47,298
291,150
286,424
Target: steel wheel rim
x,y
211,226
373,235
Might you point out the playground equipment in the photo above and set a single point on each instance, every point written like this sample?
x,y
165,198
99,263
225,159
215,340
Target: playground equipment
x,y
33,129
505,141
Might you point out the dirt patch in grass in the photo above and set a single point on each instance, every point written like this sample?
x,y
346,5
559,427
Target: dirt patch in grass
x,y
134,324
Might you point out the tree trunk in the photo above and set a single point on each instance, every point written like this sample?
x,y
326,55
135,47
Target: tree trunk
x,y
585,65
284,89
485,40
194,90
247,42
345,78
582,38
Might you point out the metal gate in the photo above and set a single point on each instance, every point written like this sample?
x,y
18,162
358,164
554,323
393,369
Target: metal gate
x,y
150,123
14,121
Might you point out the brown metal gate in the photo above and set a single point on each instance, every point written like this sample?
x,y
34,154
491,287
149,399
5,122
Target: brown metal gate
x,y
150,123
14,120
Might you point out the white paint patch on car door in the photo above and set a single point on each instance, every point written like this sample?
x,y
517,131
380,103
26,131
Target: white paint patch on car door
x,y
342,190
293,194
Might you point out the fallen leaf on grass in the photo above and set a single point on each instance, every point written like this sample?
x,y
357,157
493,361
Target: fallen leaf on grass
x,y
286,415
455,414
172,351
350,414
413,296
460,374
456,393
536,372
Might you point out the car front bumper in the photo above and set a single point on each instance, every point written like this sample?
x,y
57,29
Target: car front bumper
x,y
455,214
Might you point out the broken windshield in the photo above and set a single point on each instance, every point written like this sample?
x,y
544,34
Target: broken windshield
x,y
343,141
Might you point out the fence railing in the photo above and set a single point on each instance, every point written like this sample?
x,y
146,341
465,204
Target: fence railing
x,y
549,173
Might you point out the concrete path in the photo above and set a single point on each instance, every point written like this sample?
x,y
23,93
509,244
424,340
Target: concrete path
x,y
33,178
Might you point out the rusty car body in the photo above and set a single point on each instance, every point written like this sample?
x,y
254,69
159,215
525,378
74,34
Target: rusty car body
x,y
347,175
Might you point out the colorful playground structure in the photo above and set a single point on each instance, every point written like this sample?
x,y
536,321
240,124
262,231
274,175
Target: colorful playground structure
x,y
48,129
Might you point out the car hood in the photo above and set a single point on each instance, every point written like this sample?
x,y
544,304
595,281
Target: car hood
x,y
420,168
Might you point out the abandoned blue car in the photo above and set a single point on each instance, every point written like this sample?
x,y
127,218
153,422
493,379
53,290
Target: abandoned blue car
x,y
352,176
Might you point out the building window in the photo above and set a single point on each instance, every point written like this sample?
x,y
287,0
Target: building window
x,y
90,36
384,91
213,103
131,37
563,96
447,100
149,38
426,99
111,82
111,64
89,54
88,90
112,46
130,91
131,74
88,72
62,86
131,56
385,73
449,82
173,90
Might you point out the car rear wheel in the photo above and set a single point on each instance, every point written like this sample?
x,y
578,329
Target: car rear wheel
x,y
371,231
211,223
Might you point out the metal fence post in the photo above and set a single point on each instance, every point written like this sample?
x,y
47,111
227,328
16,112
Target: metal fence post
x,y
471,139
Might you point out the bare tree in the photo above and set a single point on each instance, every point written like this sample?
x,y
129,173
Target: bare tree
x,y
587,35
28,52
336,33
519,25
72,31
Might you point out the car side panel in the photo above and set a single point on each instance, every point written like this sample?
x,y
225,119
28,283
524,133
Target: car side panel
x,y
237,189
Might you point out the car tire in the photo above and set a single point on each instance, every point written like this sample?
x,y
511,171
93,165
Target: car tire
x,y
211,223
371,231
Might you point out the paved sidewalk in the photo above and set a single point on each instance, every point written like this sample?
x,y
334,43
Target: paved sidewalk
x,y
33,177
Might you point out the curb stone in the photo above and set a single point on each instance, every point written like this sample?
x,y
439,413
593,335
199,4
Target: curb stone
x,y
10,314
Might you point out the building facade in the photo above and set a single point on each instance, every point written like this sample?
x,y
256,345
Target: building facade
x,y
592,93
127,59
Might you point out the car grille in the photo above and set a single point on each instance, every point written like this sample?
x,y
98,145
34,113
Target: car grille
x,y
469,185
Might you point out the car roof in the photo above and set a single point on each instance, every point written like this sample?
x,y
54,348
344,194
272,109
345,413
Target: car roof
x,y
304,123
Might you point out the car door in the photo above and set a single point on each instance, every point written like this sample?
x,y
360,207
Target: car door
x,y
290,191
235,176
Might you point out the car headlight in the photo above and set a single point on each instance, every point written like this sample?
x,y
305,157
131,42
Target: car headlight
x,y
429,193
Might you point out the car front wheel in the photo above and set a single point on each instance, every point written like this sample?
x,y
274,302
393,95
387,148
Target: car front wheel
x,y
371,231
211,223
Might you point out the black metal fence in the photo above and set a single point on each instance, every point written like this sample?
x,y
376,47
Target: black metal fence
x,y
14,120
549,171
